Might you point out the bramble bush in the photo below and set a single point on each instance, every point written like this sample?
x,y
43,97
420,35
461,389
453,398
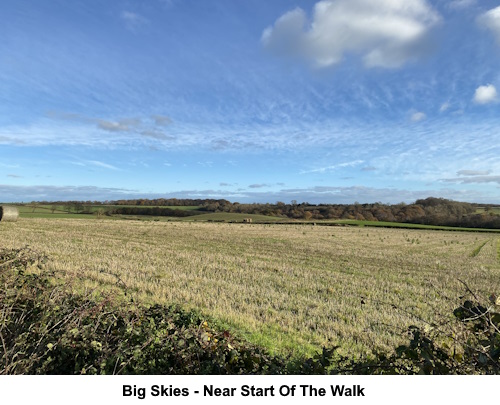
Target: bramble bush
x,y
47,328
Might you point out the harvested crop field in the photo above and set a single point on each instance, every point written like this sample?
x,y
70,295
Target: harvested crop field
x,y
286,287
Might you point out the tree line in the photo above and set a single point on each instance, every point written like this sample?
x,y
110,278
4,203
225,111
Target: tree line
x,y
428,211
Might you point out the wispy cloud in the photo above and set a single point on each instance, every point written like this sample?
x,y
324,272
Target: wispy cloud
x,y
445,106
156,135
133,21
102,164
162,120
314,195
335,195
474,179
96,163
473,172
418,116
206,164
124,125
333,167
10,193
261,185
15,176
133,125
9,166
491,21
11,140
348,195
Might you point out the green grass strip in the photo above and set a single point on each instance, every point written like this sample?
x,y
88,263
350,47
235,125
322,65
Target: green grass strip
x,y
476,251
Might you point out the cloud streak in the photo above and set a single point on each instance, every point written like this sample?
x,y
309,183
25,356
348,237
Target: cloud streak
x,y
473,172
418,116
333,167
491,21
63,193
474,180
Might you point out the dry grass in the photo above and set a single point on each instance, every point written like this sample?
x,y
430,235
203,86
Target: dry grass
x,y
283,286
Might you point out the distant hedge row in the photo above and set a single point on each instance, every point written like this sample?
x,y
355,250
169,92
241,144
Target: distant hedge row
x,y
153,211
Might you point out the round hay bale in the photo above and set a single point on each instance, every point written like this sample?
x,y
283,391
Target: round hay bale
x,y
8,213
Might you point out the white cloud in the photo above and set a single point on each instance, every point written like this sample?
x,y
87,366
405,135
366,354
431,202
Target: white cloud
x,y
418,116
485,94
387,33
491,21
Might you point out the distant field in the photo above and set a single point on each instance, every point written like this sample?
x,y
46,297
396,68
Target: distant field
x,y
228,217
46,211
61,208
172,207
410,226
60,211
286,287
495,210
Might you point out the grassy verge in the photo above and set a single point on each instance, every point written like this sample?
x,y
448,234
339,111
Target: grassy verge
x,y
477,250
382,224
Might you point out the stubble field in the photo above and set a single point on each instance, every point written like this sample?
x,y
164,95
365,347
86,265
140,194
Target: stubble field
x,y
287,287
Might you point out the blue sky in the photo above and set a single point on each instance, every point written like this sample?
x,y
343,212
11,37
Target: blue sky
x,y
330,101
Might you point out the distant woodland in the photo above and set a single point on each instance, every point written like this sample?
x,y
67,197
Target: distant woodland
x,y
429,211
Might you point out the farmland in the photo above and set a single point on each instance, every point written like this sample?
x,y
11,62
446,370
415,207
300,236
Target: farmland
x,y
289,288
